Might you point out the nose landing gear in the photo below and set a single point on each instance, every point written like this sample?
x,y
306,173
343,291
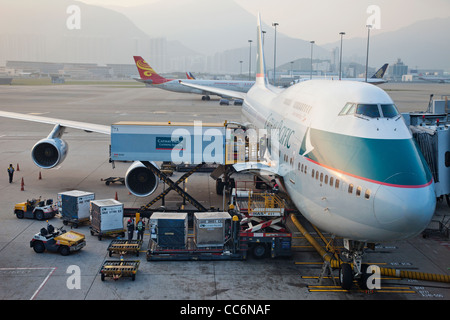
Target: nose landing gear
x,y
353,268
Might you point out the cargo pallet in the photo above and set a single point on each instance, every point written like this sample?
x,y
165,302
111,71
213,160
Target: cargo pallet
x,y
101,234
119,268
192,253
125,246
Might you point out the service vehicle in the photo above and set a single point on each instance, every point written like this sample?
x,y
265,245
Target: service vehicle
x,y
57,240
36,209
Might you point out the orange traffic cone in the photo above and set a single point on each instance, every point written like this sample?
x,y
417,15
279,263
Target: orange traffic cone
x,y
22,186
18,169
116,196
40,176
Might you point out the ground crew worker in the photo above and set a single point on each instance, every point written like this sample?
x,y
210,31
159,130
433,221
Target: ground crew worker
x,y
140,229
276,187
10,172
130,228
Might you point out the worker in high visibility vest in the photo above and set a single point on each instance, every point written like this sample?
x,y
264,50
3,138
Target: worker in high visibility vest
x,y
10,173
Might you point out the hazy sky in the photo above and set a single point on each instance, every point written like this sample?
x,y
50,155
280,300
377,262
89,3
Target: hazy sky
x,y
322,20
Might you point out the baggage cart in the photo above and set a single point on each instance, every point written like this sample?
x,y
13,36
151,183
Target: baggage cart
x,y
119,268
74,207
107,218
125,246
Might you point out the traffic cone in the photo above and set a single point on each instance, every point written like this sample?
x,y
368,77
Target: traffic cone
x,y
22,186
18,169
40,176
116,196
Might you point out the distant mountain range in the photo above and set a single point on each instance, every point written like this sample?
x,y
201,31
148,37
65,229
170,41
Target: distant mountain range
x,y
425,44
194,35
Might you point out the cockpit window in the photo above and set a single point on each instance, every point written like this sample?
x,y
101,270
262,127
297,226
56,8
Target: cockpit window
x,y
345,110
389,110
369,110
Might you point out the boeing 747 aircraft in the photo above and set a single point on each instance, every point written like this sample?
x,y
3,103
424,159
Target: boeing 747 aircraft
x,y
151,78
346,158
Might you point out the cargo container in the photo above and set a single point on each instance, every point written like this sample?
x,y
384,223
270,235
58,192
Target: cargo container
x,y
106,217
74,206
210,228
178,142
169,230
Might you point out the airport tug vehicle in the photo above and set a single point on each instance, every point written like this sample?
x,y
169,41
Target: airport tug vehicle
x,y
36,209
57,240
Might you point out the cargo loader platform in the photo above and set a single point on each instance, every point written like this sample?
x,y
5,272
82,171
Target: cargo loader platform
x,y
192,253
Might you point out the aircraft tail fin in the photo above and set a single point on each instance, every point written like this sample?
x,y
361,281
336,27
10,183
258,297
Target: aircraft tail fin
x,y
261,78
190,76
380,73
147,73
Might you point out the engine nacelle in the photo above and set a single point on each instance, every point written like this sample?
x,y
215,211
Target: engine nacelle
x,y
48,153
140,180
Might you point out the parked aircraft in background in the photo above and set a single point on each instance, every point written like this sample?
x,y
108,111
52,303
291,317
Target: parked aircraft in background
x,y
151,78
435,79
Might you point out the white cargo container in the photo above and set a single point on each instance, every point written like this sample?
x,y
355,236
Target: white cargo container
x,y
210,228
107,215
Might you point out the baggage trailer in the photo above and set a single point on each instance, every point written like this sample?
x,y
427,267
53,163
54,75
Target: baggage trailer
x,y
74,206
119,268
125,246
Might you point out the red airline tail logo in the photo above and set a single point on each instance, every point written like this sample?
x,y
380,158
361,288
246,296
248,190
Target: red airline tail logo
x,y
146,72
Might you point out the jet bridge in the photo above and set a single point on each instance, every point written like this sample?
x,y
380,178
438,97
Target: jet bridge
x,y
431,130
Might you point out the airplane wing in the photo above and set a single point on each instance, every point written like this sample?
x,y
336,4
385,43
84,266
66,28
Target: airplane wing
x,y
220,92
90,127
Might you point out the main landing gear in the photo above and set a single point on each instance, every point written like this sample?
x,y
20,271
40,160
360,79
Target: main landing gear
x,y
353,268
206,98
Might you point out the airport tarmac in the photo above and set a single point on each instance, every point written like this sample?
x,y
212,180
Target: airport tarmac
x,y
25,275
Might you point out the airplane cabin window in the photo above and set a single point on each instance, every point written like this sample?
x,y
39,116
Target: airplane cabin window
x,y
358,191
326,179
331,181
337,184
321,177
350,188
367,194
312,175
368,110
389,110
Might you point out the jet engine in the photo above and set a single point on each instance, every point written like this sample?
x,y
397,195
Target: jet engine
x,y
48,153
140,180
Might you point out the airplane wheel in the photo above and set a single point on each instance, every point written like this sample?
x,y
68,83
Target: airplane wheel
x,y
346,276
362,281
203,98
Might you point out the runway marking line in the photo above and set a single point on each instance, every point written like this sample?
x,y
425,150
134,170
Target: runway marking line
x,y
52,269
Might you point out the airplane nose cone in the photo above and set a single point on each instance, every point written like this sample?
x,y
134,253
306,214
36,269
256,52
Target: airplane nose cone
x,y
404,212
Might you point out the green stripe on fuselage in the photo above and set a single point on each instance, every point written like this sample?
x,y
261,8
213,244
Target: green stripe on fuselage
x,y
394,162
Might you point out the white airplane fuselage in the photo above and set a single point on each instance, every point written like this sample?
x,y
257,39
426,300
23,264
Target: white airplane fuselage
x,y
358,177
175,86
